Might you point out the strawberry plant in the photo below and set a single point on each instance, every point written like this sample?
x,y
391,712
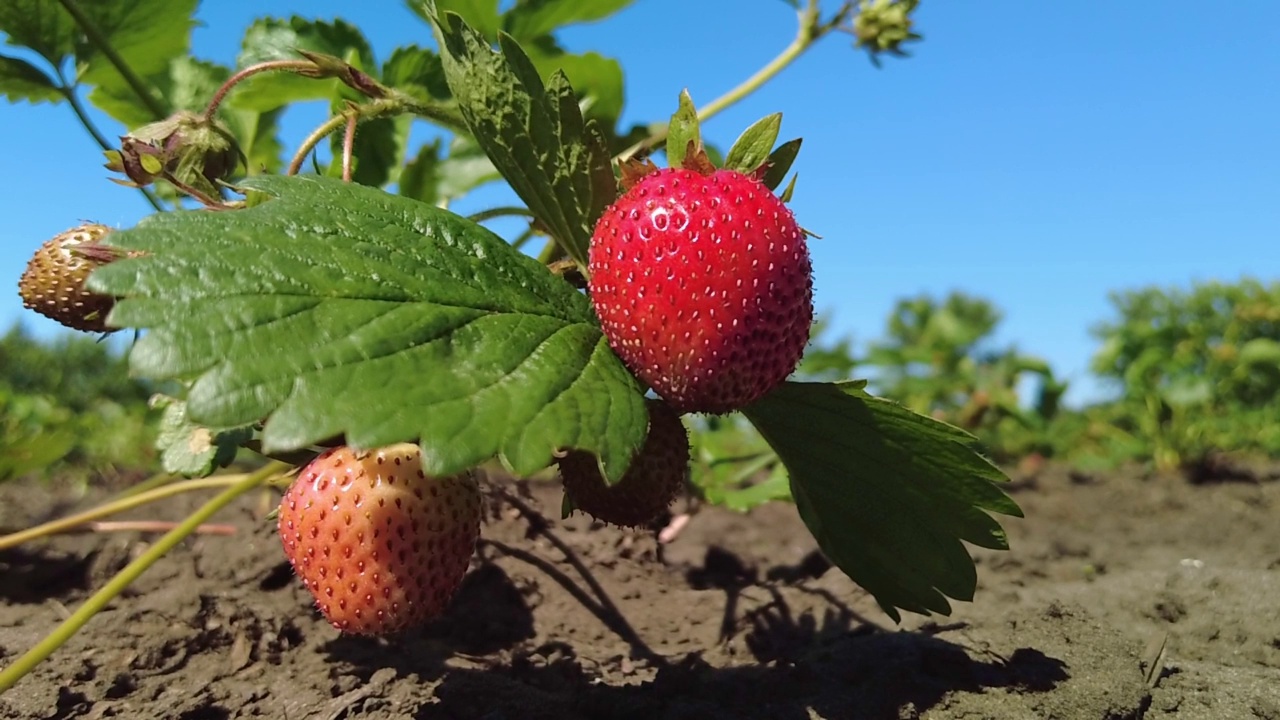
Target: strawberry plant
x,y
293,313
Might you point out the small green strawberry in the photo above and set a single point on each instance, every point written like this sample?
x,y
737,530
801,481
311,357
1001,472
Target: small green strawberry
x,y
381,545
703,285
53,283
655,476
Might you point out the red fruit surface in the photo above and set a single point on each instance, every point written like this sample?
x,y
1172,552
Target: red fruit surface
x,y
703,286
53,282
381,545
651,482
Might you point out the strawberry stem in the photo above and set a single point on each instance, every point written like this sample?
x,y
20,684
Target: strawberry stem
x,y
810,31
114,507
99,600
272,65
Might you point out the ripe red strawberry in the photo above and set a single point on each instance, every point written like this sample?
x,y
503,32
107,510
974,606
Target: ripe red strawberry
x,y
651,482
53,283
703,285
380,545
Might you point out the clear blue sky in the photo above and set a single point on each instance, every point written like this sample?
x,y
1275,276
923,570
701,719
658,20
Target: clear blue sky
x,y
1038,154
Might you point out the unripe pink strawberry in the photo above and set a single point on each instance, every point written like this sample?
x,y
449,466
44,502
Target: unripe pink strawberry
x,y
703,286
381,545
655,476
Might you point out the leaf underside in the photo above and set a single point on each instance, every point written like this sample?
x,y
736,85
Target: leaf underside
x,y
340,309
889,494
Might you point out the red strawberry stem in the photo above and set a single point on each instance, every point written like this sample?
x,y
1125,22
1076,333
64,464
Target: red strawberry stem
x,y
99,600
297,66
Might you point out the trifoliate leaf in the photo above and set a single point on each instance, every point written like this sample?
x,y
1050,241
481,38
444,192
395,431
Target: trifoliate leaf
x,y
190,449
889,494
340,309
535,135
753,146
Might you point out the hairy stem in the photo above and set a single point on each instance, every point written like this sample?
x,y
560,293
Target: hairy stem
x,y
242,75
116,506
507,211
349,148
100,42
809,32
99,600
69,92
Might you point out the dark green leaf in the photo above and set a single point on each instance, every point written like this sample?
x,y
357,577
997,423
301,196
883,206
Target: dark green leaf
x,y
20,80
532,18
340,309
682,131
888,494
275,39
754,146
41,25
534,134
190,449
780,161
417,71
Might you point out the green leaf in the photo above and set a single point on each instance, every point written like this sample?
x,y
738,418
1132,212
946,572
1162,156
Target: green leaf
x,y
417,71
888,494
534,134
482,15
146,35
190,449
532,18
682,131
421,175
275,39
41,25
340,309
20,80
193,83
465,169
753,147
780,161
597,80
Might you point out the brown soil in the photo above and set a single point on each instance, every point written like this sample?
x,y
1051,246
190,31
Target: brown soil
x,y
738,618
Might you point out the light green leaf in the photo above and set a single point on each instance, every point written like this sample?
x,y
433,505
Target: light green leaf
x,y
275,39
146,34
529,19
888,494
340,309
754,146
421,175
780,161
190,449
417,71
682,130
482,15
41,25
596,80
534,134
465,169
20,80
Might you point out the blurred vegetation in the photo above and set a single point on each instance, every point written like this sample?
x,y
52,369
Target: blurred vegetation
x,y
1195,375
69,409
